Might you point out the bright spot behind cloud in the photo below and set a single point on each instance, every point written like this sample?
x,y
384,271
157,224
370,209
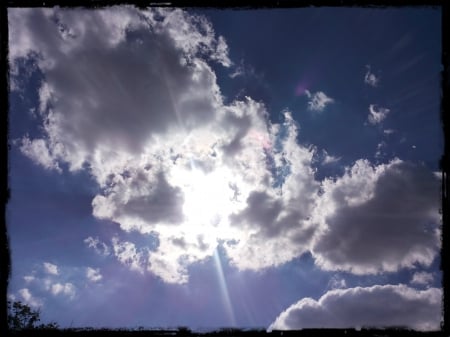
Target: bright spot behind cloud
x,y
170,158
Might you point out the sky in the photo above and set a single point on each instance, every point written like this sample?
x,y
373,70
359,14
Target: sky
x,y
270,168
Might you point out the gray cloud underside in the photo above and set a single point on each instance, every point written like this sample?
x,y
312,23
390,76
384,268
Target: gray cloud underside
x,y
378,306
395,227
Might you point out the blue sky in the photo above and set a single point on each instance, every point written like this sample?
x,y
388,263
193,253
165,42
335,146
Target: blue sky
x,y
273,168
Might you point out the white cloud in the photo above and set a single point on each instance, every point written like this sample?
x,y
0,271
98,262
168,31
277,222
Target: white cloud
x,y
67,289
380,150
370,78
377,114
140,109
376,219
337,282
318,100
29,278
422,278
28,298
100,248
51,268
329,159
376,307
128,255
38,151
389,131
93,275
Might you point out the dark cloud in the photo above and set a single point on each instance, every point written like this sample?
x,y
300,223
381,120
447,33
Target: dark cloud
x,y
163,203
375,307
395,225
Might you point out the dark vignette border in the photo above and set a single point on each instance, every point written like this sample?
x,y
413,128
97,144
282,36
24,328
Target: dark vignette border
x,y
5,260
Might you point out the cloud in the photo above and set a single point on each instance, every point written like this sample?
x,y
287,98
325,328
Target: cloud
x,y
377,114
422,278
380,150
136,51
376,219
39,153
276,215
67,289
377,306
326,159
130,97
128,255
50,268
28,298
29,278
93,275
370,78
337,282
100,248
318,100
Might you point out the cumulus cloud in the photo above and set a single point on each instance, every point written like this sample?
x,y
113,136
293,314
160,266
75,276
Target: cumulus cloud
x,y
67,289
376,219
28,298
50,268
376,306
422,278
370,78
93,275
377,114
130,96
318,100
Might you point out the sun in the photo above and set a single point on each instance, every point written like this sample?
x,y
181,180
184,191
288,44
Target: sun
x,y
209,198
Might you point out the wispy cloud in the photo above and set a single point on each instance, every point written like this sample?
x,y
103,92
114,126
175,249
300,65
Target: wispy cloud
x,y
100,247
29,278
377,114
337,282
51,268
370,78
318,101
422,278
93,275
329,159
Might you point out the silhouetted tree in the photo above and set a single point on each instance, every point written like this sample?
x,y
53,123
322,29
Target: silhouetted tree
x,y
21,316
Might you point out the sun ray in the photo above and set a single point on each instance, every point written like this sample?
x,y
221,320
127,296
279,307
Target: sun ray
x,y
224,289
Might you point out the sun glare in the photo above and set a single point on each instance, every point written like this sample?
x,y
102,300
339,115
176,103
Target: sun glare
x,y
209,198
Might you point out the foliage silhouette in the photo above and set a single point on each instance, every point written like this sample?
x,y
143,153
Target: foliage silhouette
x,y
21,316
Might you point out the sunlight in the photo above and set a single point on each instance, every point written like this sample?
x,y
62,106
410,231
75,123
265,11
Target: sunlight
x,y
208,200
224,289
